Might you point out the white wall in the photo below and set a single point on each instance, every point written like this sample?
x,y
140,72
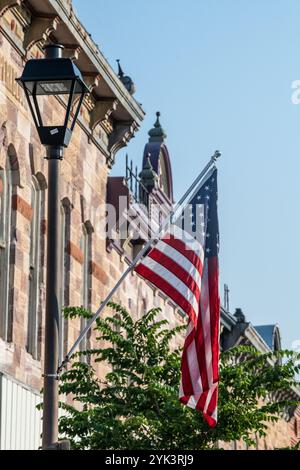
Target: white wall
x,y
20,421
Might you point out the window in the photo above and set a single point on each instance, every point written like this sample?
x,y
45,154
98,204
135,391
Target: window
x,y
86,277
35,271
5,248
65,275
3,198
9,180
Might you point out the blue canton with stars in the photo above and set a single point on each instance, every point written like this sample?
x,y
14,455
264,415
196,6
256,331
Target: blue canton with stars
x,y
200,217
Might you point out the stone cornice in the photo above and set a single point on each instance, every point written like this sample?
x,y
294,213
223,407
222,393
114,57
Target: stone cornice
x,y
72,51
96,57
7,4
102,110
121,135
55,20
91,79
39,30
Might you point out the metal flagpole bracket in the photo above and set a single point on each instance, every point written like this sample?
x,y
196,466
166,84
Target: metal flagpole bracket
x,y
51,376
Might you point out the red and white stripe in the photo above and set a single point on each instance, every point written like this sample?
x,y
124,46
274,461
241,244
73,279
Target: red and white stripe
x,y
177,266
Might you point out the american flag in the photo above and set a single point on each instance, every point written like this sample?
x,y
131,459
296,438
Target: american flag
x,y
184,265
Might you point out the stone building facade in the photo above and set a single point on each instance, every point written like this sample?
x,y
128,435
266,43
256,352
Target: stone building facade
x,y
90,263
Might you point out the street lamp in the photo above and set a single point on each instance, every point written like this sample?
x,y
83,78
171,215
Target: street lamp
x,y
53,76
59,77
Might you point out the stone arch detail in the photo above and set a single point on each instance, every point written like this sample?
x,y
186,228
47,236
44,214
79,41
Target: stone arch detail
x,y
41,179
14,166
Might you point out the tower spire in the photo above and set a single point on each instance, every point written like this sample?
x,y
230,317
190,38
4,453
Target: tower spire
x,y
157,133
120,71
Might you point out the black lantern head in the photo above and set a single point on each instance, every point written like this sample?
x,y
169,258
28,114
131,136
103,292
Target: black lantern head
x,y
54,76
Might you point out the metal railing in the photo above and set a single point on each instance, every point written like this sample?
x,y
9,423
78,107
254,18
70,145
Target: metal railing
x,y
134,183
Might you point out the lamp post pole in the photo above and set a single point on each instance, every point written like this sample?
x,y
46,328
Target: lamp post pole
x,y
53,287
53,76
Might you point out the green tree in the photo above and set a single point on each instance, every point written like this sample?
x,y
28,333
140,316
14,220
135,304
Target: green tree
x,y
137,407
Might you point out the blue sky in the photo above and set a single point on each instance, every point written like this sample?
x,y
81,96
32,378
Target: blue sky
x,y
221,72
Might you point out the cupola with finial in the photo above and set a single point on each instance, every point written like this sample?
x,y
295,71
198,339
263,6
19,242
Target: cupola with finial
x,y
157,156
148,176
127,81
157,133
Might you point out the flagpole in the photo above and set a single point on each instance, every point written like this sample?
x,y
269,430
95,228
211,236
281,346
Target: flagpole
x,y
171,218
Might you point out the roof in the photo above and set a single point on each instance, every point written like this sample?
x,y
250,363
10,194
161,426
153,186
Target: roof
x,y
269,333
262,337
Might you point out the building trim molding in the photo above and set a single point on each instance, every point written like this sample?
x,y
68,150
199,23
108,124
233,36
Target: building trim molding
x,y
7,4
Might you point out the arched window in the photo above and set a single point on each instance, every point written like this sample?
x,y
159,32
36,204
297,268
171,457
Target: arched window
x,y
3,203
35,270
7,236
86,276
65,274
